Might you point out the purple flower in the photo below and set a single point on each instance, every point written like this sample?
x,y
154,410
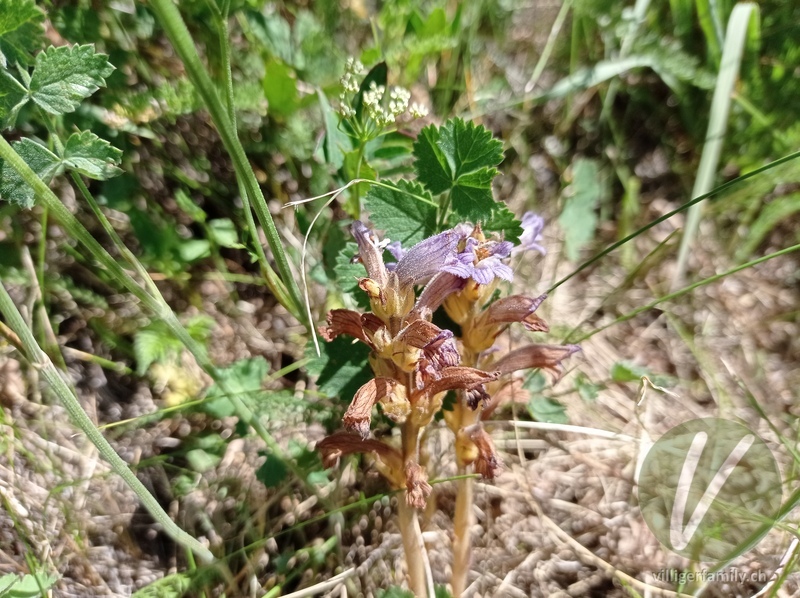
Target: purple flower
x,y
428,257
532,226
481,261
478,259
397,251
414,266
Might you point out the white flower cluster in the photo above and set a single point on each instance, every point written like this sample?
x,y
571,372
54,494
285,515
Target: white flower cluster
x,y
398,100
374,98
417,110
374,103
352,70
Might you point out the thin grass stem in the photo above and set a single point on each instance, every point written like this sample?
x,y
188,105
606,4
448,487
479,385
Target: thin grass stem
x,y
668,215
735,38
177,32
679,293
66,395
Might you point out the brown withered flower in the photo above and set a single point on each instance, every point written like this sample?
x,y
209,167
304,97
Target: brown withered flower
x,y
416,362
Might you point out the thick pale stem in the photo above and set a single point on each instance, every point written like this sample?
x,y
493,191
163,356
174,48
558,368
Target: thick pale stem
x,y
462,546
414,548
462,522
419,581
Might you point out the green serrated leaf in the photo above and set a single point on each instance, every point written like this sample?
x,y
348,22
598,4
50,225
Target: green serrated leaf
x,y
342,367
65,76
430,163
21,31
471,196
579,217
469,147
587,390
13,96
244,377
460,157
502,220
41,160
545,409
535,382
280,87
154,344
625,371
6,581
30,586
191,250
200,327
201,461
407,213
91,156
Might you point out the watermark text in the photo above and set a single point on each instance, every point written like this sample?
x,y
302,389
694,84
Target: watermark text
x,y
679,577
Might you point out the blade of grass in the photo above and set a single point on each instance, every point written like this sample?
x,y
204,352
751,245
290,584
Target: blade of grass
x,y
177,32
549,46
154,302
34,354
706,281
745,16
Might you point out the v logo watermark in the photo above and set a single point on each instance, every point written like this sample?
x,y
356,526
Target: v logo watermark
x,y
679,535
729,468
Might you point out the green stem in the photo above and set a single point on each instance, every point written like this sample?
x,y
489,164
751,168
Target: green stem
x,y
42,362
172,22
112,233
273,281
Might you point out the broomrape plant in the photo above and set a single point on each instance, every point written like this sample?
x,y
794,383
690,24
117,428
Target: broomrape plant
x,y
431,258
415,363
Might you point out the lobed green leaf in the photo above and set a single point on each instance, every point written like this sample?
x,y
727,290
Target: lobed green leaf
x,y
41,160
471,196
579,217
65,76
430,164
502,220
407,213
13,96
21,31
545,409
244,377
460,157
469,147
91,156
